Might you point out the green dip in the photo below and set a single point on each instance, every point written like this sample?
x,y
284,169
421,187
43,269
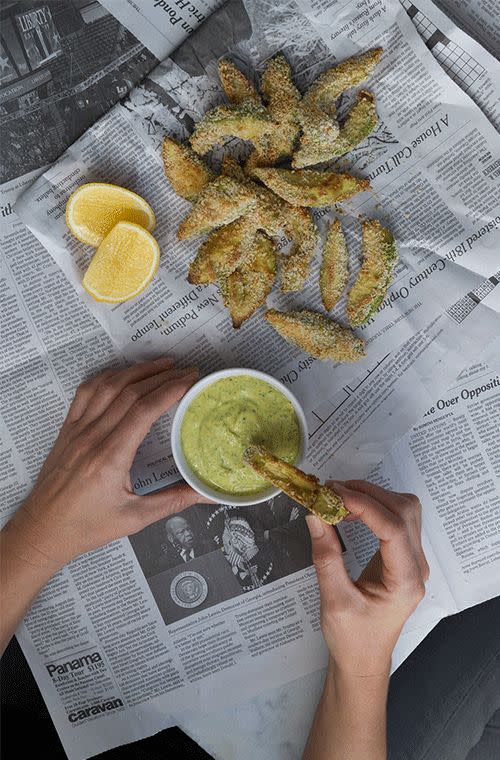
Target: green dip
x,y
225,418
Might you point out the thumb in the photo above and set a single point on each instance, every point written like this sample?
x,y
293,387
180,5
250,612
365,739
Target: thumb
x,y
333,579
166,502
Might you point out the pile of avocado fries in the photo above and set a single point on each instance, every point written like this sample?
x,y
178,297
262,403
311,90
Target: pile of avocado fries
x,y
245,206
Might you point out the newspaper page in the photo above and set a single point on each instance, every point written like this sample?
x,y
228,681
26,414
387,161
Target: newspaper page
x,y
133,636
147,632
475,70
452,458
479,18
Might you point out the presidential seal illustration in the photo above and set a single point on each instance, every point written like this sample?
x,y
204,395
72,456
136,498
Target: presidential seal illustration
x,y
189,589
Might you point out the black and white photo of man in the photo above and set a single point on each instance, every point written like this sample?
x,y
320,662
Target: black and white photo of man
x,y
182,544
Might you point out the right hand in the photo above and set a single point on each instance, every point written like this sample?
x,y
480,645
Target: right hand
x,y
362,620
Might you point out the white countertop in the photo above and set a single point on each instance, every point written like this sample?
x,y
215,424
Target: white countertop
x,y
275,724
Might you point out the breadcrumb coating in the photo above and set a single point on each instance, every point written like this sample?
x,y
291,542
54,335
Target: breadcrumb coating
x,y
236,85
223,251
300,227
333,82
359,123
185,171
282,99
248,121
302,487
317,335
334,272
220,202
379,259
306,187
247,288
231,168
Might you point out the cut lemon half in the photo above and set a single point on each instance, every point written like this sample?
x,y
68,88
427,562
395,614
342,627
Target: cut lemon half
x,y
93,210
123,265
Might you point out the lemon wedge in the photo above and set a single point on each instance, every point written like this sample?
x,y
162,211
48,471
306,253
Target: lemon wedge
x,y
93,210
123,265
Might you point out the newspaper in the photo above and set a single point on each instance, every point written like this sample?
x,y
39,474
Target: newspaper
x,y
161,24
479,18
132,637
464,60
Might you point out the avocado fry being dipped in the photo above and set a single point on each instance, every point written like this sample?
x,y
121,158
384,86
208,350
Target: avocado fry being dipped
x,y
306,489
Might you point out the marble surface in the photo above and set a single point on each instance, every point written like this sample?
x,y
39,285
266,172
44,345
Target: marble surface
x,y
275,724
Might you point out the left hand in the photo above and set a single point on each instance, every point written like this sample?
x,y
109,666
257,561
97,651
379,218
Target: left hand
x,y
83,497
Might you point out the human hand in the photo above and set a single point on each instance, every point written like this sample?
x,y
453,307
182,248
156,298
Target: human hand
x,y
361,621
83,497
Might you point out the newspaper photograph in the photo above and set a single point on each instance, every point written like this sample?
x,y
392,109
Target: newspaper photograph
x,y
80,61
219,603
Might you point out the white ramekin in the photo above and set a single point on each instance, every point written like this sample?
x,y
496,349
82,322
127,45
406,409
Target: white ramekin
x,y
178,454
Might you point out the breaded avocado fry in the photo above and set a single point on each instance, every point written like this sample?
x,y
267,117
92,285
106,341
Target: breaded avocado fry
x,y
247,121
282,99
318,108
299,226
247,288
360,122
231,168
305,187
350,73
317,335
334,271
306,489
319,136
201,271
185,171
236,85
379,258
220,202
223,251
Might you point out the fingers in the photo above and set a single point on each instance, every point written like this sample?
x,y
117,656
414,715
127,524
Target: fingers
x,y
408,508
390,499
83,395
130,395
399,547
102,390
333,580
382,521
124,440
145,510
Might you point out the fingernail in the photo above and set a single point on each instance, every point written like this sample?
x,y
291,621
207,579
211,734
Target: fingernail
x,y
315,525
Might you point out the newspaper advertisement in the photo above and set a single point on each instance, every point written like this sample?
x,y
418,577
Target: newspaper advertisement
x,y
128,639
